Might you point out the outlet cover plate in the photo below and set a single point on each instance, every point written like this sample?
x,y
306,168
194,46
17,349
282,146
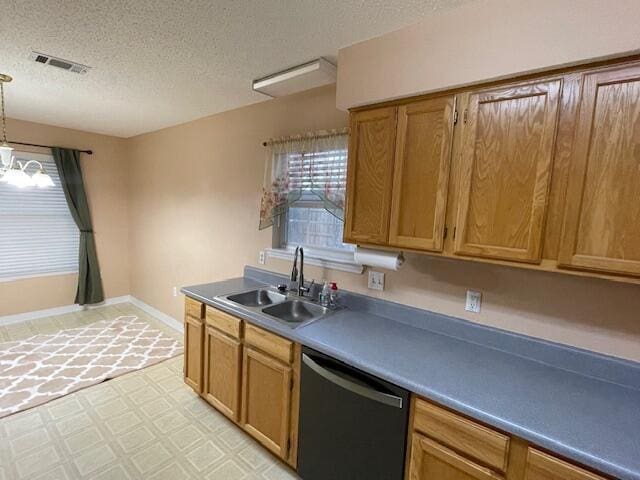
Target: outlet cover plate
x,y
376,280
474,300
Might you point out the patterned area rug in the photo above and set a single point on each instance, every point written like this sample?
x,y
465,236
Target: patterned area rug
x,y
44,367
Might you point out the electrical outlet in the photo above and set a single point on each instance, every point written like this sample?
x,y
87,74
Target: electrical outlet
x,y
376,280
474,300
175,291
261,257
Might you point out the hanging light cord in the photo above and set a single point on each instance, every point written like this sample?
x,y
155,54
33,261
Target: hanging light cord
x,y
4,119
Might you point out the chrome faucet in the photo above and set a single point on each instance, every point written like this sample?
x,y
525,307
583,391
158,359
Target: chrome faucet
x,y
294,272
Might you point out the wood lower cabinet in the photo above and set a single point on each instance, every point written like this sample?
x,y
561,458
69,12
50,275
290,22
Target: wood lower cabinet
x,y
421,174
222,372
370,175
266,400
480,443
247,373
253,377
193,345
432,461
507,153
602,217
542,466
448,446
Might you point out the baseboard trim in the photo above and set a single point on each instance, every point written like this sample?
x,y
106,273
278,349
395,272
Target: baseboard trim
x,y
154,312
48,312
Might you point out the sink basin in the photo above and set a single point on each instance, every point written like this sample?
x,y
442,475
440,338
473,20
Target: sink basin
x,y
295,311
257,298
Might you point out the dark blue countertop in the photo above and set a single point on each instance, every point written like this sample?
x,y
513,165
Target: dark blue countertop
x,y
581,405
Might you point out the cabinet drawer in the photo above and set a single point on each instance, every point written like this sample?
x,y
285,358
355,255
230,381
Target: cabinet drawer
x,y
193,308
432,461
541,466
269,343
224,322
461,434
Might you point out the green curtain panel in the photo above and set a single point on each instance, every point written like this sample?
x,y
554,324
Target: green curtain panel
x,y
89,280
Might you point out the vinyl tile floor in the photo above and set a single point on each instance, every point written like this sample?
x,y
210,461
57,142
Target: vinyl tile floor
x,y
143,425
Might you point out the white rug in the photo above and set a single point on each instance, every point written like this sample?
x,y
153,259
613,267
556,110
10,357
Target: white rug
x,y
45,367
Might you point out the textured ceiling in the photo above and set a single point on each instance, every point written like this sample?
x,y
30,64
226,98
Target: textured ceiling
x,y
157,63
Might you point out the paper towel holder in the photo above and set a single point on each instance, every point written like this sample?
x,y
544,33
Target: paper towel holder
x,y
389,260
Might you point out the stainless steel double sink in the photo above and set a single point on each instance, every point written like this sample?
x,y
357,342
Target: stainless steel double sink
x,y
286,308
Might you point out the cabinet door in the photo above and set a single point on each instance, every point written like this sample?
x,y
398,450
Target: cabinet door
x,y
266,400
370,176
421,176
222,372
602,214
432,461
193,339
508,146
541,466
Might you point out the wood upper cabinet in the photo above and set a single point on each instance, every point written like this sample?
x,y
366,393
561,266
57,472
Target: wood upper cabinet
x,y
222,372
507,152
432,461
602,214
421,174
370,175
266,400
542,466
193,337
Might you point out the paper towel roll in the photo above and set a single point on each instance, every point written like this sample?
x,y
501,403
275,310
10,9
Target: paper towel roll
x,y
379,258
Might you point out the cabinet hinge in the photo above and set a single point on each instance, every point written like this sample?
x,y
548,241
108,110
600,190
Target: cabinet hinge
x,y
454,232
291,384
288,445
446,230
465,116
455,117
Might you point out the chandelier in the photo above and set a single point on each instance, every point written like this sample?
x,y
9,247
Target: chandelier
x,y
13,171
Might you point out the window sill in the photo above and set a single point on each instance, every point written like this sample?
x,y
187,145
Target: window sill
x,y
337,262
37,275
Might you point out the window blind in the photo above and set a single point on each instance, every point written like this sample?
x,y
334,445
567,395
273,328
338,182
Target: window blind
x,y
38,236
308,223
318,170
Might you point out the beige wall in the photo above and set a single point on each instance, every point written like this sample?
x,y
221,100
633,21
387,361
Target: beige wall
x,y
180,206
105,175
195,190
485,40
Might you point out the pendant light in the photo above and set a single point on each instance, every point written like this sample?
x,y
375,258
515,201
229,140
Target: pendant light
x,y
13,171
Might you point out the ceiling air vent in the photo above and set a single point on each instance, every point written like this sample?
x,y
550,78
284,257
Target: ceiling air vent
x,y
59,63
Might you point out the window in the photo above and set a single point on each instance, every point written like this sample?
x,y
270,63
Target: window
x,y
308,221
38,236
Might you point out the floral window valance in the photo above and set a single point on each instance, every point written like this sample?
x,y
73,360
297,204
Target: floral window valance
x,y
311,165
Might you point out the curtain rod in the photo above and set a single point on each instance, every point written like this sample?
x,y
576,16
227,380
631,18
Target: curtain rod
x,y
88,152
344,131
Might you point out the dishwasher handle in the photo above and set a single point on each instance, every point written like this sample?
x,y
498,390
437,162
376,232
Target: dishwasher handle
x,y
368,392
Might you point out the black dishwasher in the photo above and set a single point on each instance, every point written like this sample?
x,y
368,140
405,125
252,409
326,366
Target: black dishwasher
x,y
353,426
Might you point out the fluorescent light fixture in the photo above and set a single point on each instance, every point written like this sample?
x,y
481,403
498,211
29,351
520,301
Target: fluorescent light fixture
x,y
303,77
